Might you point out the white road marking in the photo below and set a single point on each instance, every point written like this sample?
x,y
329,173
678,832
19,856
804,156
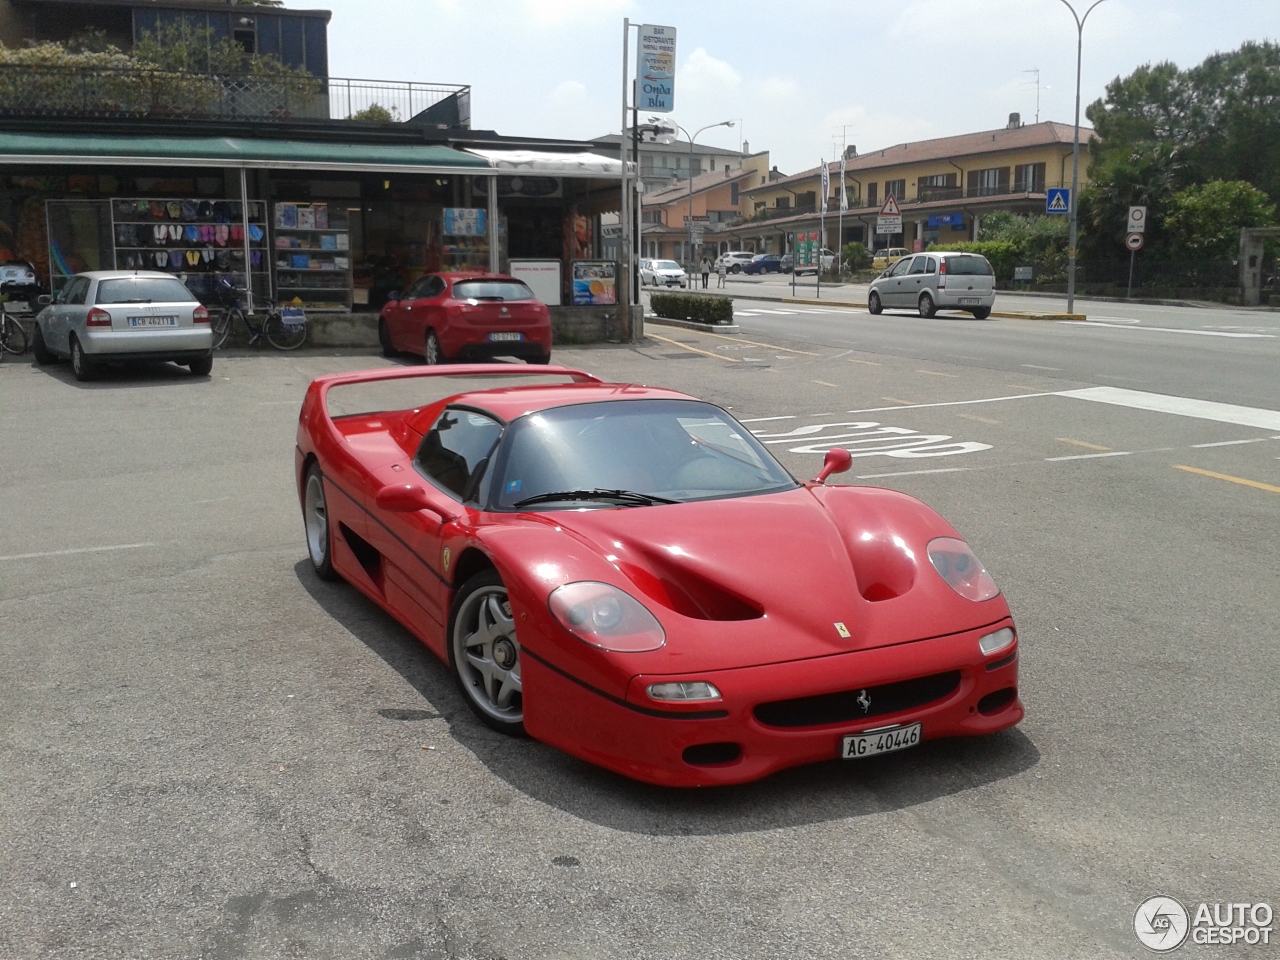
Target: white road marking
x,y
1033,366
1091,456
763,419
67,553
780,313
909,473
1226,443
1202,333
1180,406
1125,320
954,403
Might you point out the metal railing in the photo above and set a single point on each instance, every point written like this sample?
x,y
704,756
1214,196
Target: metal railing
x,y
93,92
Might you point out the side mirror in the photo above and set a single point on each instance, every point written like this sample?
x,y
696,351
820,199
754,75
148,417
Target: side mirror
x,y
393,296
838,460
407,498
44,299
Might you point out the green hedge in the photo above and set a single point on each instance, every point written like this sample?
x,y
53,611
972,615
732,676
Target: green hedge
x,y
692,306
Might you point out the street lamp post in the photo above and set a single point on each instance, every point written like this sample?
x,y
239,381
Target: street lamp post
x,y
1075,158
689,219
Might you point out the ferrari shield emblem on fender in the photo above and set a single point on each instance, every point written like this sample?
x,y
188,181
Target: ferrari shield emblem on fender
x,y
842,630
445,559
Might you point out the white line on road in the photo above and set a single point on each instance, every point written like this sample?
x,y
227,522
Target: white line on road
x,y
1092,456
1202,333
65,553
780,313
1226,443
909,473
1032,366
954,403
763,419
1180,406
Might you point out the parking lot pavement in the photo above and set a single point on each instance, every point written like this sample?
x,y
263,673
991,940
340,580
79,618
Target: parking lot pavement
x,y
209,753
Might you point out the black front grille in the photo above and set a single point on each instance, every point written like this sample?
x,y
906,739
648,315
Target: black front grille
x,y
857,704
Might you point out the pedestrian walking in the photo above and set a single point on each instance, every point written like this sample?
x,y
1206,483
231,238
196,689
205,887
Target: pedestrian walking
x,y
721,270
706,272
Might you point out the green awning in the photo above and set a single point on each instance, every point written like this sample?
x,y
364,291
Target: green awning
x,y
234,152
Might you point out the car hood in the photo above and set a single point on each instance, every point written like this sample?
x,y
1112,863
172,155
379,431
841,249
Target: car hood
x,y
777,577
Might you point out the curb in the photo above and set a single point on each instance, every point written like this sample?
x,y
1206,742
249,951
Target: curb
x,y
695,325
1003,314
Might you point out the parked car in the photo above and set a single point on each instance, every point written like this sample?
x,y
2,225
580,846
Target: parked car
x,y
115,316
586,559
450,316
826,257
19,286
888,257
786,263
735,260
663,273
937,280
763,263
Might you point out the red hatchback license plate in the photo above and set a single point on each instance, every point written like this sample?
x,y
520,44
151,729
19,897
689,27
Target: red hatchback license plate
x,y
506,336
880,741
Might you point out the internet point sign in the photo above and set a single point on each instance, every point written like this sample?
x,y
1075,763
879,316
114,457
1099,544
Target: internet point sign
x,y
656,69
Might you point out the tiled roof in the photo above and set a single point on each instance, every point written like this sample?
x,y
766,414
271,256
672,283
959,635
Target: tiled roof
x,y
703,181
949,148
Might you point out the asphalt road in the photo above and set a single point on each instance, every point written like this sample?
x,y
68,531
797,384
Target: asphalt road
x,y
208,753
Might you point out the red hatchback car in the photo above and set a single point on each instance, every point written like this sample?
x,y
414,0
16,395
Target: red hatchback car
x,y
451,316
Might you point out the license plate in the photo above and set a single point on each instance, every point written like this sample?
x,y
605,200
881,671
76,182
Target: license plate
x,y
861,745
505,336
970,301
153,321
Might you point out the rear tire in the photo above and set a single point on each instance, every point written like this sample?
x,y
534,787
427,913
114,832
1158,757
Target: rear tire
x,y
873,303
981,313
40,349
926,306
81,366
315,520
202,367
384,340
431,352
284,336
543,360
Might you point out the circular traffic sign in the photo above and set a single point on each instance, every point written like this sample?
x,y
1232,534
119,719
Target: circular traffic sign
x,y
1133,241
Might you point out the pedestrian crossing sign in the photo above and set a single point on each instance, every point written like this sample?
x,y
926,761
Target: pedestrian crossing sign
x,y
1058,200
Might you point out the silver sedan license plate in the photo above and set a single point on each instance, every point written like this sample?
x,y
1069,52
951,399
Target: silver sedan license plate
x,y
504,336
887,740
153,321
970,301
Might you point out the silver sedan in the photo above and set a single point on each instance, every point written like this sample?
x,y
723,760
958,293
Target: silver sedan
x,y
112,316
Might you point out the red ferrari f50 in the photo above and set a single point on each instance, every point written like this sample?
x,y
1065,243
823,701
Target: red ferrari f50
x,y
625,573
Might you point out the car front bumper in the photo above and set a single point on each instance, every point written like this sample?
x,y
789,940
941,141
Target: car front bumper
x,y
647,740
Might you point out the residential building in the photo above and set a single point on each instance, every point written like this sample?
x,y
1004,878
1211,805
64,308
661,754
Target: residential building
x,y
944,187
662,164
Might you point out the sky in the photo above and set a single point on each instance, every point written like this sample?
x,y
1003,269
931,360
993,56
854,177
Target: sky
x,y
797,78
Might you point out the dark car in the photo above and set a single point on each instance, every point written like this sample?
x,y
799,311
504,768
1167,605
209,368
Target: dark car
x,y
786,263
764,263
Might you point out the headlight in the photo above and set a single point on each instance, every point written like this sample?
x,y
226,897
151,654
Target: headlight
x,y
695,690
606,617
960,567
994,642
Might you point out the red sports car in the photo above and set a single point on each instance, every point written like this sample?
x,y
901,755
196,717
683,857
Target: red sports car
x,y
451,316
625,573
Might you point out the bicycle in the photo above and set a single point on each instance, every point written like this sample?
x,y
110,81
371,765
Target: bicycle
x,y
13,335
283,329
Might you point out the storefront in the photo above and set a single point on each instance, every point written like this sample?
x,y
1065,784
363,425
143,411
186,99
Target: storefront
x,y
335,225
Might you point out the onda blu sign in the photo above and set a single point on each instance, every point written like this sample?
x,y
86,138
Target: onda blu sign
x,y
656,69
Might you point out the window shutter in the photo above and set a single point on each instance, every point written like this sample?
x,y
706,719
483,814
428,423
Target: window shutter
x,y
973,183
1002,182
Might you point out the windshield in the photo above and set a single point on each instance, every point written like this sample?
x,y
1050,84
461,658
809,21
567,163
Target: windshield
x,y
969,266
675,450
143,290
491,290
666,265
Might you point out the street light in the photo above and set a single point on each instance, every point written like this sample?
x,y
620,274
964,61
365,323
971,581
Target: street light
x,y
722,123
1075,158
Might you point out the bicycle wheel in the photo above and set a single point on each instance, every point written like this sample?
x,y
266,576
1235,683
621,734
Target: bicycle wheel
x,y
281,335
13,336
222,325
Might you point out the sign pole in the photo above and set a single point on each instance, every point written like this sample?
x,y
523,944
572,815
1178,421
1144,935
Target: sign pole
x,y
624,214
1129,294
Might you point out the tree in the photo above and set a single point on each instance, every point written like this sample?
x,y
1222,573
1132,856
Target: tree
x,y
375,113
1204,221
855,256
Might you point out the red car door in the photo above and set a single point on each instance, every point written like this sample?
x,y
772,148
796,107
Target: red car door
x,y
400,319
428,310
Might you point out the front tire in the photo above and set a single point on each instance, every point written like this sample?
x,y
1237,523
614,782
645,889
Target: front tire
x,y
40,349
202,367
981,313
874,306
81,365
926,306
315,520
431,351
485,654
384,339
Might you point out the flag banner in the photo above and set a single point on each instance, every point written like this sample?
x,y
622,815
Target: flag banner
x,y
826,185
844,193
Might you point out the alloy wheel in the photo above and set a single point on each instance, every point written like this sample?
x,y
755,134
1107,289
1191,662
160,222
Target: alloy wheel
x,y
486,654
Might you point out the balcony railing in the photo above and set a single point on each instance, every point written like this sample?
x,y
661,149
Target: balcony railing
x,y
93,92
